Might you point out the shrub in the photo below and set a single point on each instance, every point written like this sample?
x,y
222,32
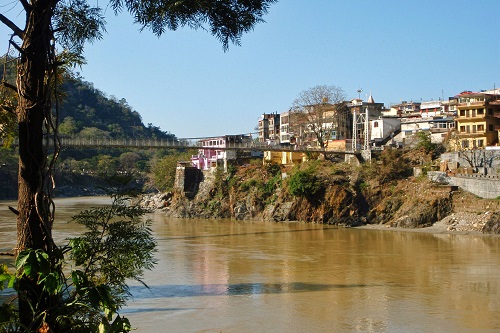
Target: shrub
x,y
304,183
117,246
246,185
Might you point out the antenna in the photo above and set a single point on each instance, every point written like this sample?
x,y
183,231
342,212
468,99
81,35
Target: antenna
x,y
359,93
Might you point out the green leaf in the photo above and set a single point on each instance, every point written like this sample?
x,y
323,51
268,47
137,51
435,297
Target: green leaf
x,y
7,277
32,262
51,283
22,258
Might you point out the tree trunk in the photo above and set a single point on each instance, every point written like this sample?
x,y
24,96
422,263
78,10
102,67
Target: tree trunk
x,y
33,225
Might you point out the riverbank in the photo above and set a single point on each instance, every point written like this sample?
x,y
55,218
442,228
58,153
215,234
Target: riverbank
x,y
384,192
469,215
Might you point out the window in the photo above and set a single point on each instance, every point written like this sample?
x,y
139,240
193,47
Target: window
x,y
480,112
490,128
375,124
490,111
465,143
480,143
462,113
474,128
480,128
462,129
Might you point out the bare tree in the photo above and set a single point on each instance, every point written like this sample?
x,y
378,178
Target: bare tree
x,y
467,153
318,112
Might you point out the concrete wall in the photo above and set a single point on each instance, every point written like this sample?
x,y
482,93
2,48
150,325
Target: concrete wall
x,y
483,186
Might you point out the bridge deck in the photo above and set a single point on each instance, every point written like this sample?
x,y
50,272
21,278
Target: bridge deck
x,y
185,144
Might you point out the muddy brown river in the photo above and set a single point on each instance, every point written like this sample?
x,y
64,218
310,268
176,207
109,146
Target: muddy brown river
x,y
235,276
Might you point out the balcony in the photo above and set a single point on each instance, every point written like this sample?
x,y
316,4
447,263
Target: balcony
x,y
466,104
496,114
471,134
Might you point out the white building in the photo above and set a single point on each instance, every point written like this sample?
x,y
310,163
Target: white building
x,y
384,128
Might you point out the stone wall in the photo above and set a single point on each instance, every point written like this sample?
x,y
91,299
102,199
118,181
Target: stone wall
x,y
187,180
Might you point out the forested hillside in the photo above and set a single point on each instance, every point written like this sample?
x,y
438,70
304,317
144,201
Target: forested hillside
x,y
87,112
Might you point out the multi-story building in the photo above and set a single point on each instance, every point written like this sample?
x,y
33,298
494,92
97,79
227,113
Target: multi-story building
x,y
213,151
478,120
406,109
289,131
302,127
431,109
450,106
269,128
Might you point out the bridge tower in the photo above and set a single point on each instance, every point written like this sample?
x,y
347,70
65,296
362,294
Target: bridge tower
x,y
361,130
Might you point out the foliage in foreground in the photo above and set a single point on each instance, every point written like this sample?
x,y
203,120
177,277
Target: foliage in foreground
x,y
118,245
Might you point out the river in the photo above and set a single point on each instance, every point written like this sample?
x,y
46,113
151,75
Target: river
x,y
240,276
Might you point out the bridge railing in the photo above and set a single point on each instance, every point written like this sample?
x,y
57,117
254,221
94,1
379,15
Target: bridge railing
x,y
181,144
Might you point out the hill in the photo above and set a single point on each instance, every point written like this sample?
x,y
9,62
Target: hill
x,y
87,112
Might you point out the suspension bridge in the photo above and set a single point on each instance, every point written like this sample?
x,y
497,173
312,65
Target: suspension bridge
x,y
99,143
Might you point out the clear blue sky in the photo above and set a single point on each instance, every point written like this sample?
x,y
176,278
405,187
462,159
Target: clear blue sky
x,y
184,83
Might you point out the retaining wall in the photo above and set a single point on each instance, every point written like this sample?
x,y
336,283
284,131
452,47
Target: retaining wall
x,y
484,186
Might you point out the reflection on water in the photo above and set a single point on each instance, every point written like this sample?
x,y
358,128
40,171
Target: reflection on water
x,y
232,289
233,276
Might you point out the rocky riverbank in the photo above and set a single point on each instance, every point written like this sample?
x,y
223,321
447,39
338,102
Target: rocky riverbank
x,y
345,198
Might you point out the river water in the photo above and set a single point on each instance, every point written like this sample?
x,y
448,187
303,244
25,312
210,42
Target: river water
x,y
235,276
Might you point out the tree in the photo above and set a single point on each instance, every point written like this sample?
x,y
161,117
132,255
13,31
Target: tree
x,y
163,169
68,25
424,142
317,114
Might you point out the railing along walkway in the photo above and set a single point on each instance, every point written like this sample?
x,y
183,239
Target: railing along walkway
x,y
184,144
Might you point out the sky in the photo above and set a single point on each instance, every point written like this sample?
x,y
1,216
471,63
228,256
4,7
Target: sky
x,y
184,82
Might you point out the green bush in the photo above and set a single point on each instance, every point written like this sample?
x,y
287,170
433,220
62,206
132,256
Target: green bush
x,y
247,185
304,183
273,169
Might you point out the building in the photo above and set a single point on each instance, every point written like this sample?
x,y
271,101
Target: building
x,y
437,126
312,123
284,157
359,106
406,109
478,120
431,109
214,152
269,128
291,127
383,129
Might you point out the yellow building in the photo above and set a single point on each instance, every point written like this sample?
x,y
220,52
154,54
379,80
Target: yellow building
x,y
478,120
284,157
